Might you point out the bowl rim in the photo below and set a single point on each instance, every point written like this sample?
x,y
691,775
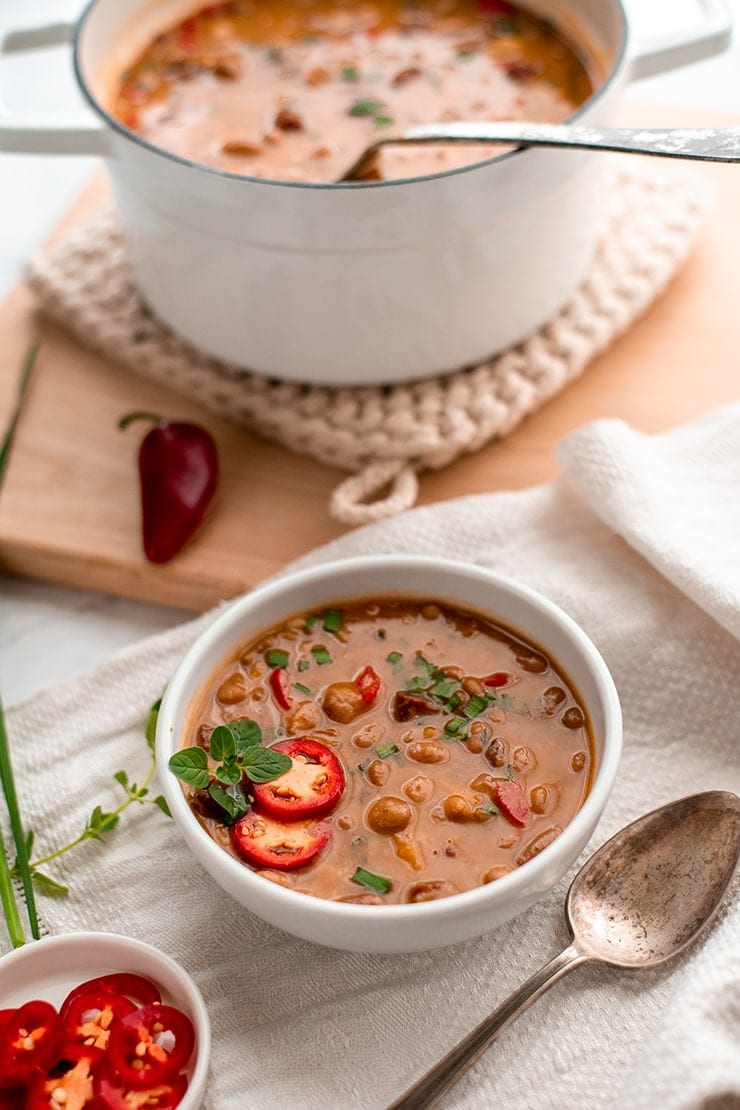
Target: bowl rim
x,y
82,942
513,885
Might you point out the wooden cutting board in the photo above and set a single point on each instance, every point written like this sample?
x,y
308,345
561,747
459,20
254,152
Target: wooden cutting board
x,y
69,510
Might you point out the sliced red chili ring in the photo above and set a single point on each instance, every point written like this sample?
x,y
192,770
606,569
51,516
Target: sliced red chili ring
x,y
150,1046
311,787
282,846
110,1093
280,688
368,683
135,987
510,799
66,1091
30,1040
498,678
90,1016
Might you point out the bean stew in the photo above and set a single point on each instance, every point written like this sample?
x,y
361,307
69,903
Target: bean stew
x,y
386,751
295,90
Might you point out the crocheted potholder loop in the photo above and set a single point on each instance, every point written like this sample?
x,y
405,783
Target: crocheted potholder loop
x,y
353,502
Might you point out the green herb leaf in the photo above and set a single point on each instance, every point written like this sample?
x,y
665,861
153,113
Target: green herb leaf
x,y
161,803
394,657
416,684
99,823
246,733
383,121
489,807
303,664
311,621
302,689
228,773
372,881
366,108
151,723
332,620
384,750
191,765
231,801
265,764
223,744
350,73
276,658
49,886
321,655
122,779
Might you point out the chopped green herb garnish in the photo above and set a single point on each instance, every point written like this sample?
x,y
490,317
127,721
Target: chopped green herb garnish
x,y
416,684
366,108
303,689
384,750
350,73
303,664
321,655
420,661
475,706
509,771
444,689
373,882
311,621
394,657
276,658
383,121
457,729
332,620
489,807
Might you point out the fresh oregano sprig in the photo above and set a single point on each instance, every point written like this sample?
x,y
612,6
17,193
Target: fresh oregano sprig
x,y
101,822
237,752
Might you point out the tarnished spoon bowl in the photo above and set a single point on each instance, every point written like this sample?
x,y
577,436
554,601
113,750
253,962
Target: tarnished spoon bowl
x,y
640,900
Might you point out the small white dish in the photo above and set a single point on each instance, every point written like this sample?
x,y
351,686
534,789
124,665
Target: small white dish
x,y
49,968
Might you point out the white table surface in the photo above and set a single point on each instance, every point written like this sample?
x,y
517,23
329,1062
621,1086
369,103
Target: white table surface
x,y
51,633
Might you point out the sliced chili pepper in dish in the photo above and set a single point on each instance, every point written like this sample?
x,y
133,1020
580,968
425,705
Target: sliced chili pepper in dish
x,y
368,683
178,475
70,1090
30,1040
313,785
281,846
11,1098
510,799
498,678
280,687
91,1015
109,1093
150,1046
134,987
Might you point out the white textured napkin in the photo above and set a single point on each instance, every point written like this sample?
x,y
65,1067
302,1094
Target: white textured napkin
x,y
639,541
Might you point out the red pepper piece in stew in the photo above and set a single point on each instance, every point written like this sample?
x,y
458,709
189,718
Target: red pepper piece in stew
x,y
110,1093
280,688
368,683
178,474
278,845
150,1046
313,785
511,801
498,678
30,1041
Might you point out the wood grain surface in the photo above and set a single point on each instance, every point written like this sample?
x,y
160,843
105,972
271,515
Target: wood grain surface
x,y
70,511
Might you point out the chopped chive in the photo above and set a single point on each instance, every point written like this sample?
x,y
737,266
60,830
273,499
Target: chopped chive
x,y
332,620
311,621
366,108
475,706
321,655
444,689
277,658
453,703
372,881
394,657
420,661
303,664
457,729
489,807
303,689
384,750
383,121
415,684
350,73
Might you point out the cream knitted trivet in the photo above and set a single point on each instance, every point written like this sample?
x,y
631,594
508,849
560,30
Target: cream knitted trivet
x,y
384,435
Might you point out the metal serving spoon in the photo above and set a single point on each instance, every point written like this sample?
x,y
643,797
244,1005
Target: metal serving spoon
x,y
640,900
706,144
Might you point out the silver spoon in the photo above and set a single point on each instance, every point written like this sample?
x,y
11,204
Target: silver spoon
x,y
707,144
640,900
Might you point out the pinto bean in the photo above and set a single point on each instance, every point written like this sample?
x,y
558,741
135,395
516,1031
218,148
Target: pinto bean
x,y
367,899
430,889
418,789
378,772
402,78
428,751
553,697
408,850
243,148
288,120
388,815
233,690
535,846
368,736
457,808
523,759
497,752
472,685
573,718
539,799
304,717
578,761
494,873
342,702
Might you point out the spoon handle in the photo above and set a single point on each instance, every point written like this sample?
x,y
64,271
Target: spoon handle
x,y
709,144
428,1090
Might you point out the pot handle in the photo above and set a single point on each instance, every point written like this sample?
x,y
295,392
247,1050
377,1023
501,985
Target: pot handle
x,y
21,134
709,36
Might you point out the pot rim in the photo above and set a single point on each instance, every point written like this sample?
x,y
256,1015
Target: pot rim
x,y
152,148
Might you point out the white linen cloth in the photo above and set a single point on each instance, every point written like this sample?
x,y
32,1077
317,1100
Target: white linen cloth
x,y
639,541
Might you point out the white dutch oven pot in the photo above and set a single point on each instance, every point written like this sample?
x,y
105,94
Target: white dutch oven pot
x,y
348,284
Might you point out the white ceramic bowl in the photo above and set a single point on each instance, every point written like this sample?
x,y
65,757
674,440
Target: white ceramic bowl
x,y
50,967
397,928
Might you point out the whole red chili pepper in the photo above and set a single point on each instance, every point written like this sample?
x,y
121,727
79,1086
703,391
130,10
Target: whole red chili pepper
x,y
178,473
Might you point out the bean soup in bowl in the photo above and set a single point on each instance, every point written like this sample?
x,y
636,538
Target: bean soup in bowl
x,y
412,748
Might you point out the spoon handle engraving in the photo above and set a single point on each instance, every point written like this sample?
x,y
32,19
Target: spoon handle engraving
x,y
431,1087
